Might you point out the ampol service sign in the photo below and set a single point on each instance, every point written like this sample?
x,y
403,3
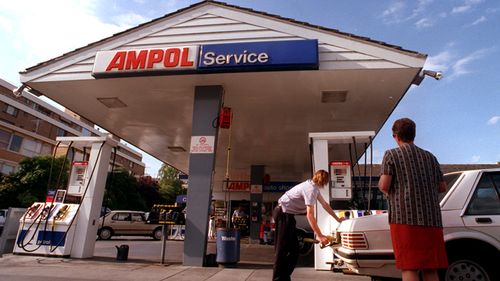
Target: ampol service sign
x,y
210,58
109,63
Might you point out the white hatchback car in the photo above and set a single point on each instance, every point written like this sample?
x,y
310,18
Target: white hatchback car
x,y
471,222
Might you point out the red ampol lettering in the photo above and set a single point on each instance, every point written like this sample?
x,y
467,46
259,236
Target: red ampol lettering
x,y
154,56
135,61
172,57
185,55
118,61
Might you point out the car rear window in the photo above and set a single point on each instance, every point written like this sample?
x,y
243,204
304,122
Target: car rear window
x,y
450,180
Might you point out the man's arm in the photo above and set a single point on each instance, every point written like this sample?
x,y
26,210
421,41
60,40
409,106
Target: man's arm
x,y
328,209
314,224
385,183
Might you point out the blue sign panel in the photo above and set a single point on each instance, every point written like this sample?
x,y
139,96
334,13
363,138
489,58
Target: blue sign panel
x,y
51,238
279,186
181,199
273,55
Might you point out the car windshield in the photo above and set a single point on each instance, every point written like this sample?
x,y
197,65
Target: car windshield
x,y
450,180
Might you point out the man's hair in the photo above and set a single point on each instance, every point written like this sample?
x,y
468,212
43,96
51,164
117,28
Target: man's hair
x,y
320,178
405,129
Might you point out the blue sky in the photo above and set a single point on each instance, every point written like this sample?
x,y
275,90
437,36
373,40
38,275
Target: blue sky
x,y
458,117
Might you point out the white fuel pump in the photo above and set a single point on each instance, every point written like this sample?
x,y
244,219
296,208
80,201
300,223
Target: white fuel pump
x,y
51,228
329,149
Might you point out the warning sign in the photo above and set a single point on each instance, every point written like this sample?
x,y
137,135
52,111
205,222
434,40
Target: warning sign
x,y
202,144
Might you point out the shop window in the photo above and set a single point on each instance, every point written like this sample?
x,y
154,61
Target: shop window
x,y
46,149
31,148
60,132
4,139
42,109
86,133
15,143
7,169
11,110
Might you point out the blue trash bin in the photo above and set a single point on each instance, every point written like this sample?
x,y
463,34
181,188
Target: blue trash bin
x,y
228,246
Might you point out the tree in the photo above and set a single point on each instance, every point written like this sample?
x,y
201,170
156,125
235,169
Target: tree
x,y
170,184
33,180
122,192
150,191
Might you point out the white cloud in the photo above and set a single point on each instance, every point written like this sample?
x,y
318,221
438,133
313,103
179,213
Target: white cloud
x,y
478,21
393,13
493,120
461,66
468,5
42,30
439,62
475,158
423,23
129,19
460,9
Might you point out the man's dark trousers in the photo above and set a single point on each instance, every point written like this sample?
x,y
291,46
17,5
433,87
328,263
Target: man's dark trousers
x,y
286,247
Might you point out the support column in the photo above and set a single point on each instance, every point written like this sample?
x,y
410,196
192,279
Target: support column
x,y
320,162
90,207
207,103
256,182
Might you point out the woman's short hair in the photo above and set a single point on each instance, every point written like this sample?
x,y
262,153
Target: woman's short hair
x,y
320,177
405,129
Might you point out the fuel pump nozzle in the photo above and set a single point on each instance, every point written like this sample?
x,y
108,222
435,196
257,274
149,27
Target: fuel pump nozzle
x,y
331,241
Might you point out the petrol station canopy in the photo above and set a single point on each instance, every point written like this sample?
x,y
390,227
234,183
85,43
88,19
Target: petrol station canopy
x,y
355,85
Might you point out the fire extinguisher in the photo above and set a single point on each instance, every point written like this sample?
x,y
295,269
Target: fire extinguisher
x,y
225,117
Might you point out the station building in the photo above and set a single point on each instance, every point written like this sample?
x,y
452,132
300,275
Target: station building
x,y
230,95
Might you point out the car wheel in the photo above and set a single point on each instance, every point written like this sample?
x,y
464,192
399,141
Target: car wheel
x,y
466,268
157,233
105,233
304,247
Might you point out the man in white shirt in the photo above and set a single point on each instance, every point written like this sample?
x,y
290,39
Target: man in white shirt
x,y
299,200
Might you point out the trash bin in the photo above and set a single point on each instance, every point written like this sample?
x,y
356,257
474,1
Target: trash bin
x,y
228,246
122,253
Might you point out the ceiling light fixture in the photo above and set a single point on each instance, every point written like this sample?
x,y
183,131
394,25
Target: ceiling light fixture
x,y
333,96
113,102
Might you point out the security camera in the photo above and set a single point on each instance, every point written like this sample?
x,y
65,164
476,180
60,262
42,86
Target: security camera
x,y
434,74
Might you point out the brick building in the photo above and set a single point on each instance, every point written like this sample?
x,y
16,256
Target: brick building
x,y
29,127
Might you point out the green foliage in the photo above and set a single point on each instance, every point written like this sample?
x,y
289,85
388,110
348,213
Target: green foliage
x,y
170,184
30,184
122,192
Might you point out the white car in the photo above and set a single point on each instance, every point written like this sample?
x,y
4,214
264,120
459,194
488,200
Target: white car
x,y
471,222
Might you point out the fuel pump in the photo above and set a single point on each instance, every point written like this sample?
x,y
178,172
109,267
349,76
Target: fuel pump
x,y
341,180
328,151
48,228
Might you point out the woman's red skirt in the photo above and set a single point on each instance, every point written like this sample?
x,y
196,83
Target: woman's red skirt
x,y
418,247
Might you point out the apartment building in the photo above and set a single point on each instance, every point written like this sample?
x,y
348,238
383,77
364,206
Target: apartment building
x,y
29,127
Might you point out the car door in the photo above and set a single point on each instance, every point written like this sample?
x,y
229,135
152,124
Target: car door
x,y
483,211
139,226
121,223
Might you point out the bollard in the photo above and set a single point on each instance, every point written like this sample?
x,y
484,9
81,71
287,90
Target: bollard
x,y
122,253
